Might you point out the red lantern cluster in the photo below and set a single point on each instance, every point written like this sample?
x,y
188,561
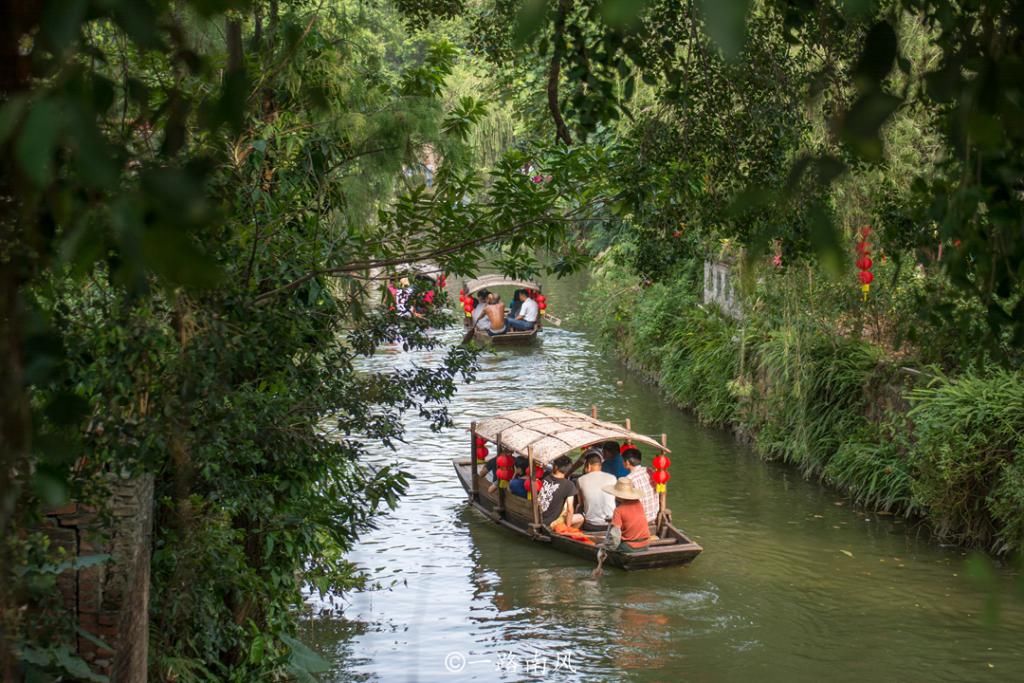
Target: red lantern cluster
x,y
660,475
505,471
481,449
538,475
468,304
864,261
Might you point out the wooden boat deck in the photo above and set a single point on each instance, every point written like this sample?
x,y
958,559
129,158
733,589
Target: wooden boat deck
x,y
672,548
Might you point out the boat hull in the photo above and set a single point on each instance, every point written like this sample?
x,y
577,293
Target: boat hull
x,y
674,548
505,339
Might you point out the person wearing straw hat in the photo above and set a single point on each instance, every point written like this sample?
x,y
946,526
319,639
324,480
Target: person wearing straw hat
x,y
629,524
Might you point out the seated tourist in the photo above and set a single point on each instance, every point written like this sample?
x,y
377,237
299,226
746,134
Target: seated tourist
x,y
526,318
495,314
516,304
640,477
518,485
613,462
479,311
598,505
628,530
556,495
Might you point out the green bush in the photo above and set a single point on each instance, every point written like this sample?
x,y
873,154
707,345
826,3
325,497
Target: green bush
x,y
814,395
873,469
967,451
701,362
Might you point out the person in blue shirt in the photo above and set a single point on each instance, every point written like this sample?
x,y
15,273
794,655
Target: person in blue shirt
x,y
519,482
613,463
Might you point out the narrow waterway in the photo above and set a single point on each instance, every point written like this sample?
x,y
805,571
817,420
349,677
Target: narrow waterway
x,y
794,585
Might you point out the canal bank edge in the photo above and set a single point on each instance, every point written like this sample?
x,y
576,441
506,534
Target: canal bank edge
x,y
893,438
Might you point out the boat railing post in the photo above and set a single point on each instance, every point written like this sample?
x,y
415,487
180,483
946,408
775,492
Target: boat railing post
x,y
501,489
533,493
629,425
663,511
593,411
474,493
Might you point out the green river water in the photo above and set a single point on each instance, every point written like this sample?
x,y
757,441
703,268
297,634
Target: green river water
x,y
794,584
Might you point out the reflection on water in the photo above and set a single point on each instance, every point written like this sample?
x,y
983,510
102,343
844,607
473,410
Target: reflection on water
x,y
793,583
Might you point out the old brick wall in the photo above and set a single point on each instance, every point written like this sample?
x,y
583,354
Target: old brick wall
x,y
110,600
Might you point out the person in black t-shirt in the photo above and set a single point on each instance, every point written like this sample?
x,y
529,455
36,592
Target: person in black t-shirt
x,y
556,495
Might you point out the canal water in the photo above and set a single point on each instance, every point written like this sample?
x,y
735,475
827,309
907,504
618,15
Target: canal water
x,y
795,584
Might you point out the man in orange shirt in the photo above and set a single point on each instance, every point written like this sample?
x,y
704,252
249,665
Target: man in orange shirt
x,y
628,530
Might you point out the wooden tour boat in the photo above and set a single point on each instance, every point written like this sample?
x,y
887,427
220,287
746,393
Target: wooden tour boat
x,y
542,434
511,337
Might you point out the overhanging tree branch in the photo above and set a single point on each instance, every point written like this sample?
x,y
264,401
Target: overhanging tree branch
x,y
555,72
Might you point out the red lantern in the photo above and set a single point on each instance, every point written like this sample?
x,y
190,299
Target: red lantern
x,y
504,461
865,263
481,452
625,447
541,299
866,278
862,248
505,473
481,441
660,477
468,308
538,473
661,462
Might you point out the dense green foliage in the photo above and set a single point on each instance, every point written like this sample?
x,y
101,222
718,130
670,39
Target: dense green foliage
x,y
838,408
202,202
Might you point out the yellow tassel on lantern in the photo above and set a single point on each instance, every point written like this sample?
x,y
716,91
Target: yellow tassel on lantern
x,y
865,289
660,488
502,484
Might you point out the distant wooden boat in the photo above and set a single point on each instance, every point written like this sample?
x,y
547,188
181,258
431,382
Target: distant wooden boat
x,y
542,434
511,337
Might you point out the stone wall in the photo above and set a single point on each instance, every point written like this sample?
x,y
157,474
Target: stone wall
x,y
109,600
719,289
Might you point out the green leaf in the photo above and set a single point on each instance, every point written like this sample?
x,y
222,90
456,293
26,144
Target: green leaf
x,y
171,254
623,13
60,23
862,124
725,23
303,661
879,53
531,17
10,115
35,146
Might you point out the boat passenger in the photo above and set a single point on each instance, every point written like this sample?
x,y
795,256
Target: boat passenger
x,y
628,531
513,309
557,494
496,314
526,318
598,505
519,483
640,476
613,462
479,308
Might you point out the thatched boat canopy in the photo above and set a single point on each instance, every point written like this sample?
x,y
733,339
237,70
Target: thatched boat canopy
x,y
488,281
552,432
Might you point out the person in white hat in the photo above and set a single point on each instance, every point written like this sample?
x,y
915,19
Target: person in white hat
x,y
629,523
